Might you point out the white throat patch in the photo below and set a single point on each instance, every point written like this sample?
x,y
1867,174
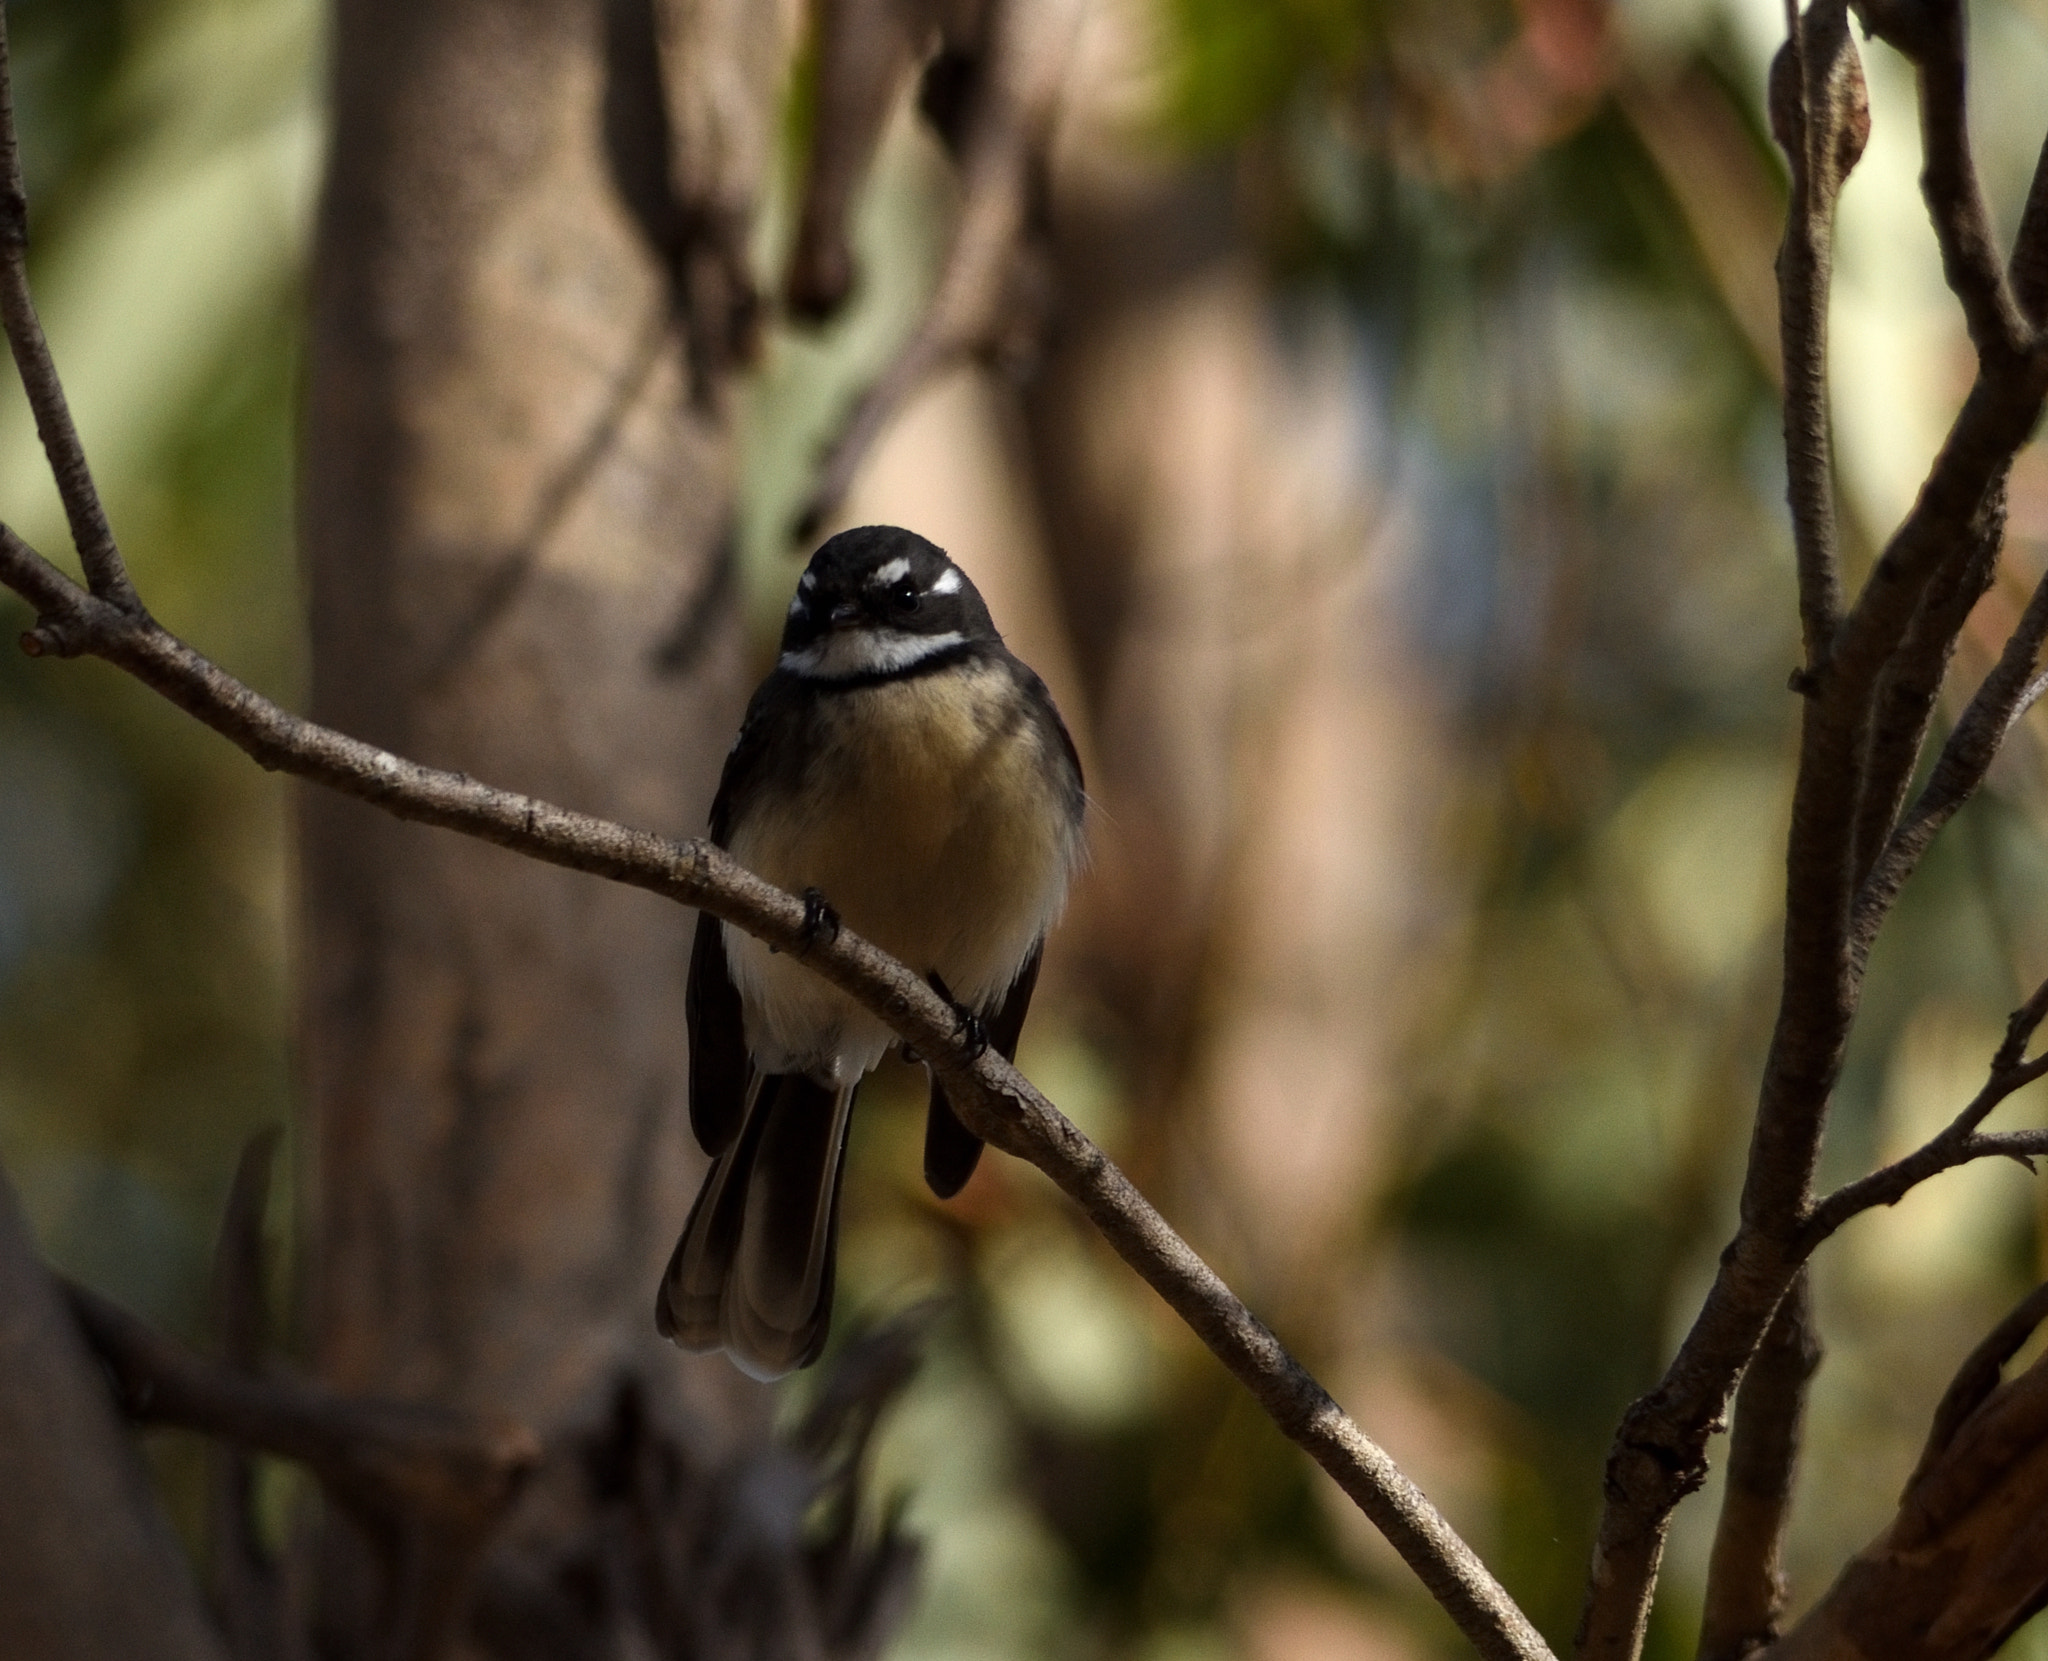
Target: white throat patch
x,y
846,654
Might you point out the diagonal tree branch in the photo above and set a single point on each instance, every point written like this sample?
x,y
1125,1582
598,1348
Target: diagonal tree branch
x,y
997,1102
1906,696
2008,692
1746,1574
429,1485
383,1459
104,573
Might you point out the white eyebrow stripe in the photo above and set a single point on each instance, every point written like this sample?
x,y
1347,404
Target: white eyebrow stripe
x,y
949,581
797,608
895,571
856,652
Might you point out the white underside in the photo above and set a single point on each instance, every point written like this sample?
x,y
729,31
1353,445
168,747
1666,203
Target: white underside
x,y
951,850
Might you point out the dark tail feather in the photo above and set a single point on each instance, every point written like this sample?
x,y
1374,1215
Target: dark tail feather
x,y
753,1271
951,1150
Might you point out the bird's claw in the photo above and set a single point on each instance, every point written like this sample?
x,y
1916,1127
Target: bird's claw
x,y
972,1033
821,922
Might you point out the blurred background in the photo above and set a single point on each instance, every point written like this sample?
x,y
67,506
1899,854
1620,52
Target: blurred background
x,y
1394,505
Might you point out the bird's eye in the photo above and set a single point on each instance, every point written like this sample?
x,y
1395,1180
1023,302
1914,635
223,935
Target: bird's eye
x,y
904,597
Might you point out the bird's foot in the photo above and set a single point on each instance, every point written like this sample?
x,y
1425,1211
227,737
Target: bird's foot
x,y
821,922
972,1033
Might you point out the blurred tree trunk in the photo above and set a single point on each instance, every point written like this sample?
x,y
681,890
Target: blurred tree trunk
x,y
515,504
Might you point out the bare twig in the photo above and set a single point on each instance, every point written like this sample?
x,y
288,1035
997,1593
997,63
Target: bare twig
x,y
997,1102
1659,1454
1821,118
459,1473
1935,35
1028,48
1957,1143
1851,776
1746,1574
1903,705
2007,692
430,1485
104,573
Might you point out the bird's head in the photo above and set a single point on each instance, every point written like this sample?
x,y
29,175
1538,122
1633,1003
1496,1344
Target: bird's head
x,y
876,601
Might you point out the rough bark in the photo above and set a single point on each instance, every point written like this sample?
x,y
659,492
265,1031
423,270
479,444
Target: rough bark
x,y
515,522
88,1568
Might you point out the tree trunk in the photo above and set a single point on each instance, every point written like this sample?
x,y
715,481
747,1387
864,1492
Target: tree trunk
x,y
516,505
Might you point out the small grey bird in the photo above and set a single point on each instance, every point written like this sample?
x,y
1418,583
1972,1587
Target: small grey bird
x,y
907,774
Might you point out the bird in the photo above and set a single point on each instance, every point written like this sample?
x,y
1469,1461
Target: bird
x,y
912,778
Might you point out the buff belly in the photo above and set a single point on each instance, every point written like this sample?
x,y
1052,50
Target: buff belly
x,y
950,847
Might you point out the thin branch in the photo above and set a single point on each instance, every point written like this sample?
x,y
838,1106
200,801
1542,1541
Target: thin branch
x,y
428,1484
1935,35
1019,90
1746,1574
1958,1142
104,573
1821,118
997,1102
1820,115
386,1460
1659,1453
462,1472
2007,692
1903,707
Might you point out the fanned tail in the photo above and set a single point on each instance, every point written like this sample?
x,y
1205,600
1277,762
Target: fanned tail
x,y
753,1272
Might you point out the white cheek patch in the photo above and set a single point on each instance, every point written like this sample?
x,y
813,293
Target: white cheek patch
x,y
895,571
853,652
949,581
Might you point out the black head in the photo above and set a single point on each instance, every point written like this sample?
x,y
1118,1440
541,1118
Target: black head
x,y
877,601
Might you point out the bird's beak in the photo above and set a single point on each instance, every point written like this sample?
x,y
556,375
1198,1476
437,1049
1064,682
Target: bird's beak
x,y
842,614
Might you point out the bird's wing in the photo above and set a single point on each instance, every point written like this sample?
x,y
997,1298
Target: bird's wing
x,y
719,1069
718,1042
951,1150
